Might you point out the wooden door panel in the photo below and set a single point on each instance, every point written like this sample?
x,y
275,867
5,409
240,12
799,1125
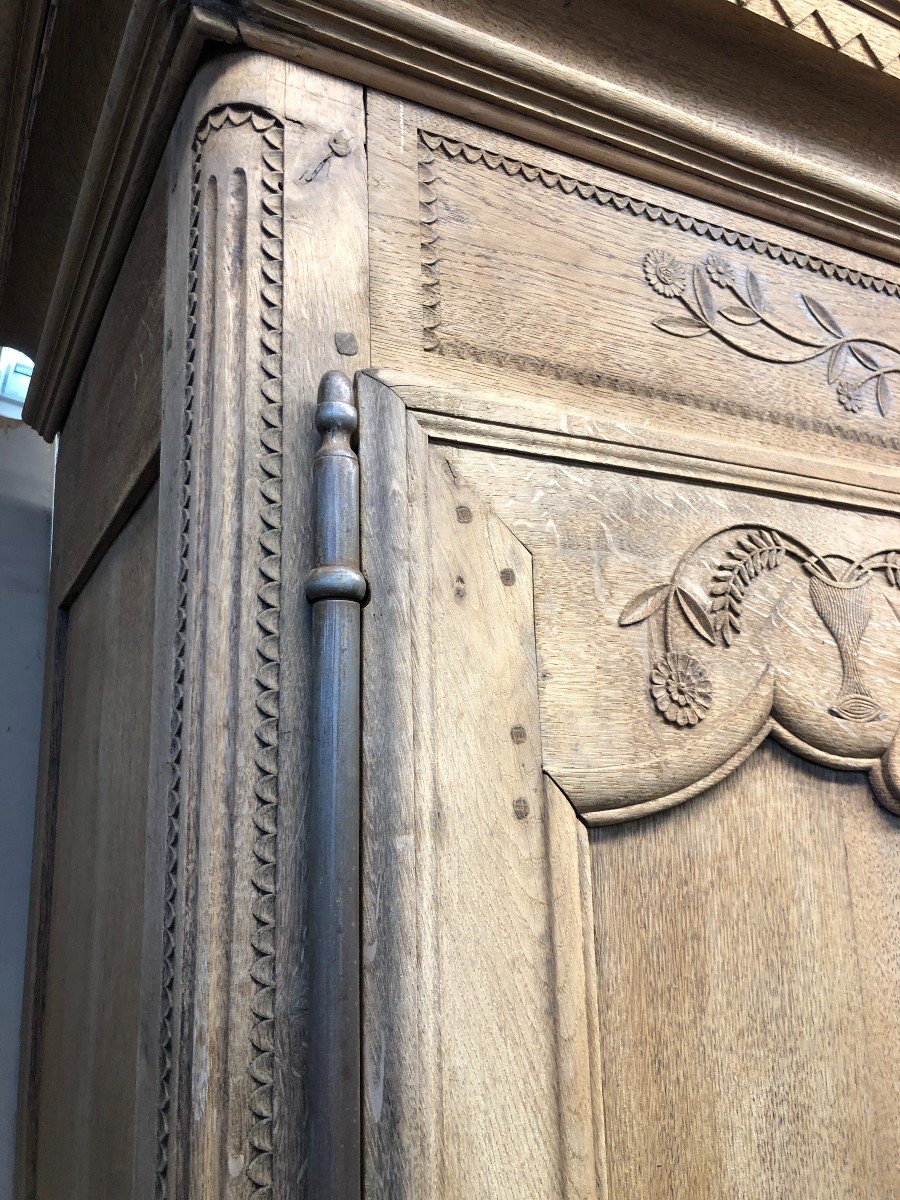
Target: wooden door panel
x,y
748,1012
678,1004
755,602
480,1061
681,419
91,1027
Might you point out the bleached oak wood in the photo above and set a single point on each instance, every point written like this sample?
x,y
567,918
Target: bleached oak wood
x,y
596,538
523,287
267,267
88,1120
698,96
472,1089
630,504
736,944
783,898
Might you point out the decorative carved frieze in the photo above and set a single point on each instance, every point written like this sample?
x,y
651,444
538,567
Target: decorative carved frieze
x,y
760,314
679,623
840,590
719,303
868,31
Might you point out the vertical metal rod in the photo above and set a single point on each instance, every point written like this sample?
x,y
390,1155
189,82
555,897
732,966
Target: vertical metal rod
x,y
335,588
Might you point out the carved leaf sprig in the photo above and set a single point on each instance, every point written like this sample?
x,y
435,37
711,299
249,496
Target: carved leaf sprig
x,y
653,599
644,605
753,553
696,289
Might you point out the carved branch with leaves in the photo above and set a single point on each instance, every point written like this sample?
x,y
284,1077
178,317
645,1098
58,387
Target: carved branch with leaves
x,y
839,592
717,305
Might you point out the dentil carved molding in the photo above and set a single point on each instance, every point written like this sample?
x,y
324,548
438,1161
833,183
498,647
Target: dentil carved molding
x,y
206,260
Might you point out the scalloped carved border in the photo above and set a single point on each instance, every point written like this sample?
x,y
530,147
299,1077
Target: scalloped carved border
x,y
433,339
268,619
259,1167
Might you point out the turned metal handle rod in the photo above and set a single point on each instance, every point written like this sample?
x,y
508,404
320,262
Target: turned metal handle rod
x,y
335,588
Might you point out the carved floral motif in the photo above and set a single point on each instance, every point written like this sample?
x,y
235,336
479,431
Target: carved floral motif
x,y
439,340
857,367
680,688
840,590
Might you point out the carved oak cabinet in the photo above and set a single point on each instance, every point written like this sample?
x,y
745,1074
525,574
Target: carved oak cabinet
x,y
470,762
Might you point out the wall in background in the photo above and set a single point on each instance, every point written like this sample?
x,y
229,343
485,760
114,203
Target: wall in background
x,y
26,499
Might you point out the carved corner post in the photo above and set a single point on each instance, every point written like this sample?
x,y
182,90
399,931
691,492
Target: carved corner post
x,y
335,588
267,263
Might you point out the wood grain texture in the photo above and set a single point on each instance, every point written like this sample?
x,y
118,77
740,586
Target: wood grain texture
x,y
471,870
869,34
532,287
394,1072
699,96
479,776
107,461
111,441
696,95
267,263
579,1052
609,740
88,1120
736,945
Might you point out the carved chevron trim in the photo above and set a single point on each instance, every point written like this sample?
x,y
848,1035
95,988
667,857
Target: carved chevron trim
x,y
259,1167
868,32
428,143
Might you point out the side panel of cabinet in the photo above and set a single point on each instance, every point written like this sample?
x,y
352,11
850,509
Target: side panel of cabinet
x,y
92,1020
91,1003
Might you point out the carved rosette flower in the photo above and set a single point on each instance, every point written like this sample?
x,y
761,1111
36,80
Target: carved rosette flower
x,y
849,395
719,270
680,688
665,274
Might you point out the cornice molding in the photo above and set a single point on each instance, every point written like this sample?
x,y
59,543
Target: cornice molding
x,y
400,48
158,54
867,30
28,76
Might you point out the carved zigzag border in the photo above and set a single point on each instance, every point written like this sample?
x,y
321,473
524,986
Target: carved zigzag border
x,y
261,1067
861,31
433,340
